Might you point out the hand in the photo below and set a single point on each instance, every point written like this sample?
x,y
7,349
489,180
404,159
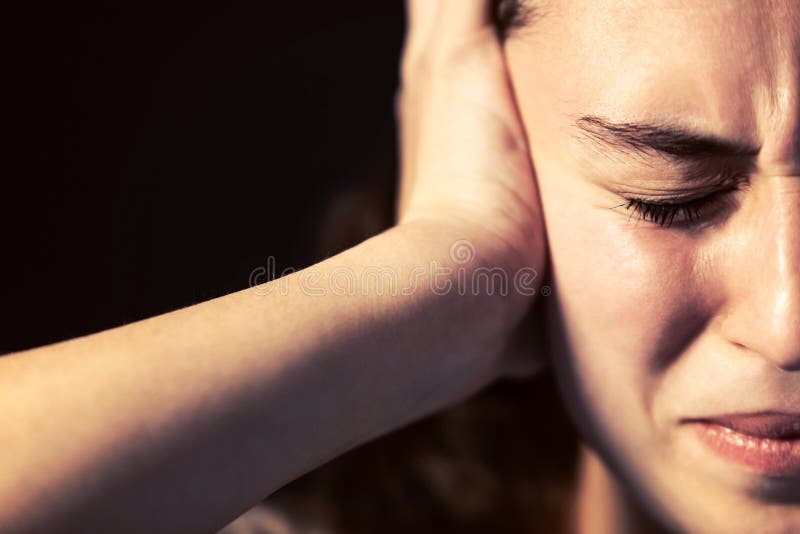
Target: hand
x,y
465,162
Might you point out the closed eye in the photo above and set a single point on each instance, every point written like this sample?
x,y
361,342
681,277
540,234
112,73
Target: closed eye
x,y
689,213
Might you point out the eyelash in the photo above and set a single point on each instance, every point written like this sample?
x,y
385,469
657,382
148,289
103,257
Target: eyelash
x,y
688,213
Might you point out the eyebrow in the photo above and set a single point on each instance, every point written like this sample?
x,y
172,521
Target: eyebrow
x,y
671,141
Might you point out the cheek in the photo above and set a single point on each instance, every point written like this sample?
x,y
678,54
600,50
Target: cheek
x,y
622,300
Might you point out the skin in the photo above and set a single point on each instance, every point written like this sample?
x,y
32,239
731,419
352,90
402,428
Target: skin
x,y
649,324
181,422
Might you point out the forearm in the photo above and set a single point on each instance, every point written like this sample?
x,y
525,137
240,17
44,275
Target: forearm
x,y
182,421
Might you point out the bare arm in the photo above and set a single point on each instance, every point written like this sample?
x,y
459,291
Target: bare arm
x,y
180,422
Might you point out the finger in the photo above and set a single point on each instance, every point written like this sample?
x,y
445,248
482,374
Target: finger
x,y
457,20
421,13
449,21
420,19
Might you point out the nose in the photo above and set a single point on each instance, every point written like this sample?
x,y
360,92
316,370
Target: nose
x,y
765,319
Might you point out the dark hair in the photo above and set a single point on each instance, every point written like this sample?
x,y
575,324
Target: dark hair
x,y
485,465
503,461
512,15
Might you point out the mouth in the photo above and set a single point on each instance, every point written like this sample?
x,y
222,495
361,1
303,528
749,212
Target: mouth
x,y
766,443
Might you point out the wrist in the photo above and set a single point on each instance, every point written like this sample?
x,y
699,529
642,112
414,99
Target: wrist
x,y
503,270
461,279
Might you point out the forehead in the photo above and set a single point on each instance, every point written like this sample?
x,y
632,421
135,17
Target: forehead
x,y
727,66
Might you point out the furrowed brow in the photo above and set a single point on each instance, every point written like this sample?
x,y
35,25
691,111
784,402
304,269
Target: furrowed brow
x,y
670,141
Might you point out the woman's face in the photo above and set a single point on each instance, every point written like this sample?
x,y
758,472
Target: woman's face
x,y
664,314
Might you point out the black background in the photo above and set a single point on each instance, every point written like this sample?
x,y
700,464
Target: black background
x,y
159,154
155,155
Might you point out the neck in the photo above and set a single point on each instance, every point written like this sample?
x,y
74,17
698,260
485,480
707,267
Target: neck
x,y
602,504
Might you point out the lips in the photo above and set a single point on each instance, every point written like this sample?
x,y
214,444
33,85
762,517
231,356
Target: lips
x,y
761,425
767,443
